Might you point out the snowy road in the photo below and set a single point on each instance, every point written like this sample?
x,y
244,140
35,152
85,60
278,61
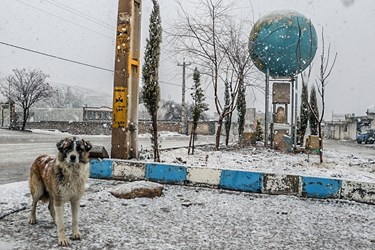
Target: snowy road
x,y
198,218
19,149
351,147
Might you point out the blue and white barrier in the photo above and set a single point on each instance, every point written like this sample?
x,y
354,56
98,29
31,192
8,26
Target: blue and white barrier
x,y
247,181
166,173
241,180
314,187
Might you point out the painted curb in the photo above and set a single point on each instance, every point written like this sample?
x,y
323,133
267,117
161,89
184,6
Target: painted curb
x,y
101,169
246,181
358,191
128,170
281,184
241,181
204,176
316,187
166,173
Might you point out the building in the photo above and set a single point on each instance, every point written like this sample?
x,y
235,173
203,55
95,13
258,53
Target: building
x,y
346,127
6,120
97,114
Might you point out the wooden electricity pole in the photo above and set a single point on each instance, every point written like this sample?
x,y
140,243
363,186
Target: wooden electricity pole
x,y
126,81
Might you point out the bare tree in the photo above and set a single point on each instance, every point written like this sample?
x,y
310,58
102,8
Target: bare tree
x,y
25,89
236,53
206,37
326,67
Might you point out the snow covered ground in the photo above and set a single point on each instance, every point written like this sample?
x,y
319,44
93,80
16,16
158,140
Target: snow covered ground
x,y
337,164
200,218
191,218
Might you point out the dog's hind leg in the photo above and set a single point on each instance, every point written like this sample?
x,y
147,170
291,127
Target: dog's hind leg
x,y
32,218
75,215
51,209
37,191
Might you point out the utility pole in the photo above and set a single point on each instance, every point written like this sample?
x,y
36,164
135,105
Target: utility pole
x,y
266,108
125,119
134,70
10,108
183,108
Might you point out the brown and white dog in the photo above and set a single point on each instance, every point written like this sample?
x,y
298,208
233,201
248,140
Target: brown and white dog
x,y
59,180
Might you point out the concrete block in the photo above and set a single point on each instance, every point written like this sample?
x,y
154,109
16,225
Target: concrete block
x,y
101,169
281,184
166,173
315,187
241,180
129,170
209,176
358,191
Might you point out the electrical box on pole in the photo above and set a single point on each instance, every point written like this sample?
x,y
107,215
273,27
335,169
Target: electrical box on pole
x,y
126,80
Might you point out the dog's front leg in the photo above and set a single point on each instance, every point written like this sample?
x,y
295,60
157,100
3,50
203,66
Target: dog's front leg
x,y
75,214
59,212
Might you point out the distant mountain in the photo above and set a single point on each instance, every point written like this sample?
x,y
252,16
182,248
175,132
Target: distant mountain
x,y
91,97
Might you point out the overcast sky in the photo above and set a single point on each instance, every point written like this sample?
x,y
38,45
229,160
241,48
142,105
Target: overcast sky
x,y
49,27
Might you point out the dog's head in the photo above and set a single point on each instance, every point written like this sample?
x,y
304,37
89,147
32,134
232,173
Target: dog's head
x,y
73,150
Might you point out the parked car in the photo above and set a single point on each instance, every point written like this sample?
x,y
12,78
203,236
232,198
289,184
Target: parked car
x,y
368,137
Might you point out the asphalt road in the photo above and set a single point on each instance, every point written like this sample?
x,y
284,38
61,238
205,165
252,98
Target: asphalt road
x,y
19,149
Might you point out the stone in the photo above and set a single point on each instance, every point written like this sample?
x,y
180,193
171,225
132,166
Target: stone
x,y
138,189
99,151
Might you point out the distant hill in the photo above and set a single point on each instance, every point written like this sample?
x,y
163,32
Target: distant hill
x,y
91,97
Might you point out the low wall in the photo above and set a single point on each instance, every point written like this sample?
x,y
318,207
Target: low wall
x,y
75,128
105,127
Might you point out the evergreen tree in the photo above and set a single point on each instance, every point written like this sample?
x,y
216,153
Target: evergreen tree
x,y
304,113
228,117
258,132
198,107
172,111
314,114
150,75
241,109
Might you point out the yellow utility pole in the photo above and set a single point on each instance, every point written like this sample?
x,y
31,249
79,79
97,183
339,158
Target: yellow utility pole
x,y
126,81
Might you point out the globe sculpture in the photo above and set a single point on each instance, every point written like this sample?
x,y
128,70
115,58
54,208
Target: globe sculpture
x,y
284,41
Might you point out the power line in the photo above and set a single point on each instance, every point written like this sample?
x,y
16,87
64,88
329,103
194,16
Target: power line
x,y
56,57
65,20
80,14
169,83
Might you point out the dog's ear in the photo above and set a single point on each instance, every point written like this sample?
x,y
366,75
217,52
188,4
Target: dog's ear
x,y
60,145
87,145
